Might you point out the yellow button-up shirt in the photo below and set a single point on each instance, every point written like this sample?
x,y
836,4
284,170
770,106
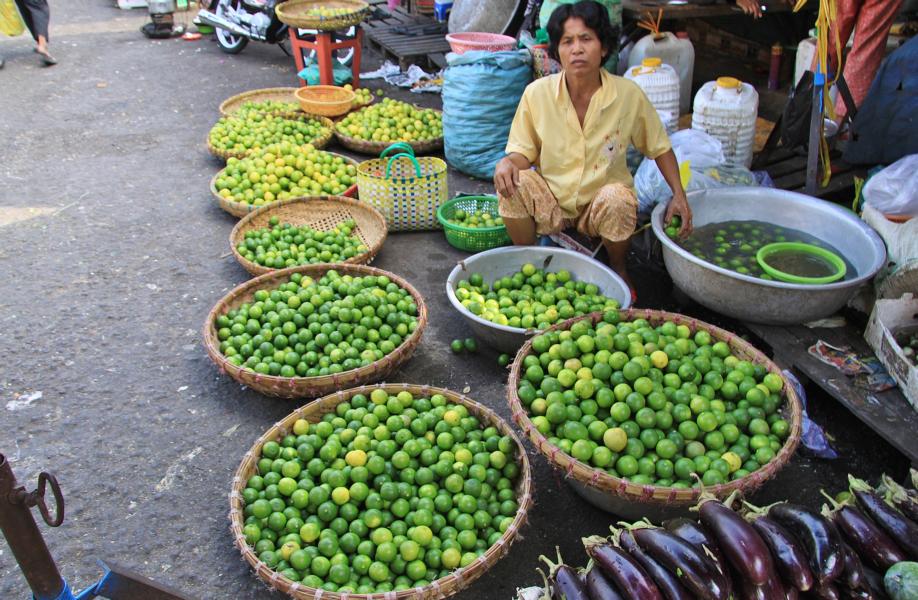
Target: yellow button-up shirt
x,y
575,161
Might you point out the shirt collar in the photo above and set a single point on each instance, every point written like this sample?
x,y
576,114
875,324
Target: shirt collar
x,y
607,91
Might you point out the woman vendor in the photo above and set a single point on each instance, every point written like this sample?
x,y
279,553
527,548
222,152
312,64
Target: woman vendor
x,y
574,128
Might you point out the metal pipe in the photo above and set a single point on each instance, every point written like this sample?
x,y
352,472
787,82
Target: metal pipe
x,y
25,540
215,20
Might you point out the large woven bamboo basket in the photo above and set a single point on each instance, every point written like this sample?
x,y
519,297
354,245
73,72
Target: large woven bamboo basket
x,y
441,588
241,209
322,213
296,14
282,94
650,499
374,148
310,387
320,142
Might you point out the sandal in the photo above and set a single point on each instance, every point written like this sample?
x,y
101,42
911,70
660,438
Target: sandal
x,y
46,57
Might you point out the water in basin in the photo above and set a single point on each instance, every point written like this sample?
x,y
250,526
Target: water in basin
x,y
733,245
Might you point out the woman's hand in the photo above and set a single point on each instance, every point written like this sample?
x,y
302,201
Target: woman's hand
x,y
750,7
506,177
679,206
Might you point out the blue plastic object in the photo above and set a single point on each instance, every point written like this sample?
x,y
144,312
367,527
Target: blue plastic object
x,y
442,8
814,438
481,91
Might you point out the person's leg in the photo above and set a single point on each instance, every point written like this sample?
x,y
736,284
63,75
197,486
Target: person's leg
x,y
39,17
532,210
612,216
870,33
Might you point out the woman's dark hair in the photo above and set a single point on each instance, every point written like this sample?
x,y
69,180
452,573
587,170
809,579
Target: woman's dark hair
x,y
594,15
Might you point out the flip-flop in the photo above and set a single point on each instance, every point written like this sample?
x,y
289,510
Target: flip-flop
x,y
45,57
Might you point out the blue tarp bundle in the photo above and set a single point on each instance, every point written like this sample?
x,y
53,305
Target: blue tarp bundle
x,y
481,91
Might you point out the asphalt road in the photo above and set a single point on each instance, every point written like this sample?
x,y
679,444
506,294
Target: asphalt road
x,y
111,254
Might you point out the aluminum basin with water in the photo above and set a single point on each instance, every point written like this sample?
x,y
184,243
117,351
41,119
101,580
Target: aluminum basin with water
x,y
771,302
501,262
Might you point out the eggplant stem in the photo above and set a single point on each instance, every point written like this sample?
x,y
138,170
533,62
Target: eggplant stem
x,y
593,541
552,567
729,500
828,512
704,496
858,485
546,587
913,473
832,501
753,511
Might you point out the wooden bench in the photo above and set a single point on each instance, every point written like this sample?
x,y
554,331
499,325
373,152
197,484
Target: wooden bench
x,y
407,39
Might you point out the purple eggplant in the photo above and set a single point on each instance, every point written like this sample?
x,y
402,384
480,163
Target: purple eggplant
x,y
696,535
853,576
875,584
904,499
790,560
631,580
566,583
772,590
819,538
739,542
829,591
599,587
689,565
899,527
868,540
667,581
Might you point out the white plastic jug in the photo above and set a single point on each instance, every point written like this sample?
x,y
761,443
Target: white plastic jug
x,y
806,51
674,51
726,109
661,84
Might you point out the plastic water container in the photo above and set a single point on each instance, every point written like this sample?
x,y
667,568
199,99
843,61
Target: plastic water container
x,y
661,84
806,51
674,51
726,109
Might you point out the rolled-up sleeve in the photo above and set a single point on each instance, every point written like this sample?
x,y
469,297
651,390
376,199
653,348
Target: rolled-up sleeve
x,y
649,135
523,137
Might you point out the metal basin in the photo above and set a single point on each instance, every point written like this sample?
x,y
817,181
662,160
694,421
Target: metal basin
x,y
502,262
771,302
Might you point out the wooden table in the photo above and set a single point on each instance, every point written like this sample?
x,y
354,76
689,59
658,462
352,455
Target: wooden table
x,y
888,413
635,9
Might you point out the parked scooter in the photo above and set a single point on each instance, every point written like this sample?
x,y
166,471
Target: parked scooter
x,y
238,21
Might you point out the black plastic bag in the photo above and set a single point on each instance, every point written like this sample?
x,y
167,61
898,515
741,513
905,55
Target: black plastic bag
x,y
795,121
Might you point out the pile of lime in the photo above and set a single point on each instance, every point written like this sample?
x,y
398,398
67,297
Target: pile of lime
x,y
285,245
531,298
266,107
389,492
328,11
655,405
255,130
309,328
475,219
284,171
362,96
392,121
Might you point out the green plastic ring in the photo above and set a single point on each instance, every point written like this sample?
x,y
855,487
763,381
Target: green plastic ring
x,y
832,258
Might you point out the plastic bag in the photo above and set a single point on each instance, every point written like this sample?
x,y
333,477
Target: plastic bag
x,y
11,22
481,91
814,438
705,158
894,190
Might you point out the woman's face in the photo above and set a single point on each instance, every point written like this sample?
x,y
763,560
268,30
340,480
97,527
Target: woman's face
x,y
580,50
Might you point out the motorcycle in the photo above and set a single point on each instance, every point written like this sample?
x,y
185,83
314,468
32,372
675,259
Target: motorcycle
x,y
235,22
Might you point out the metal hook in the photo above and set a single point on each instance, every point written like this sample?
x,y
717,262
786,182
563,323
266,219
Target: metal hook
x,y
43,479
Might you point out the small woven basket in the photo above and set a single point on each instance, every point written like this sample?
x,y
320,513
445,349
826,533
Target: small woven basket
x,y
652,498
328,128
322,213
241,209
441,588
310,387
232,104
472,239
406,189
296,13
325,100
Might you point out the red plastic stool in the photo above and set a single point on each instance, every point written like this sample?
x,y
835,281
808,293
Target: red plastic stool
x,y
324,44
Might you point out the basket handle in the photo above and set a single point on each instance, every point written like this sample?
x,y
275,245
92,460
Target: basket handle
x,y
401,147
417,166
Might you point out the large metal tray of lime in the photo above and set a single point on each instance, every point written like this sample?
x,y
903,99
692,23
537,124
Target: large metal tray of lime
x,y
717,266
509,294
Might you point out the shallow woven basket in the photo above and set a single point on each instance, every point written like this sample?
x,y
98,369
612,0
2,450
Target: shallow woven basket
x,y
319,142
310,387
234,103
441,588
296,14
374,148
241,209
322,213
325,100
650,495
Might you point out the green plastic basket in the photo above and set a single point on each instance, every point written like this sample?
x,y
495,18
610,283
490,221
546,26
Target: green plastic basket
x,y
472,239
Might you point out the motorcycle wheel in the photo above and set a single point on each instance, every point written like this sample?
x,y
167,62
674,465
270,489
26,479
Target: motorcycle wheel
x,y
229,42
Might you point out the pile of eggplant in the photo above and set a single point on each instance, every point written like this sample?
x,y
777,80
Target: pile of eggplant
x,y
738,551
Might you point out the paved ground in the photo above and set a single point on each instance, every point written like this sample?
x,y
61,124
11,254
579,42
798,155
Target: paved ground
x,y
111,254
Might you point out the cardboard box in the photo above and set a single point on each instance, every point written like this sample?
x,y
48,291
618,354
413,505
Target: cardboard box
x,y
890,317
